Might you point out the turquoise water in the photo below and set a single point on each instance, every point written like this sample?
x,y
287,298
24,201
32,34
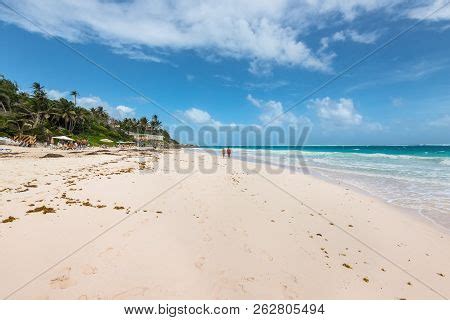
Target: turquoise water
x,y
413,177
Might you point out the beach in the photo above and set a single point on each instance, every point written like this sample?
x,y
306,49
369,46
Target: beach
x,y
183,224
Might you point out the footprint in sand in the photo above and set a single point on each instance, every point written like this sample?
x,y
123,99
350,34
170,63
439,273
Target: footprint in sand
x,y
247,248
63,281
200,262
88,270
288,292
109,253
201,219
249,279
267,255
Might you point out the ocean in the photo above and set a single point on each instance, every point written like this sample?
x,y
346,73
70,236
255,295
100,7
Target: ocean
x,y
411,177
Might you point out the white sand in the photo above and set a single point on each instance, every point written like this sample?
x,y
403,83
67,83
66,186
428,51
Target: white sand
x,y
204,236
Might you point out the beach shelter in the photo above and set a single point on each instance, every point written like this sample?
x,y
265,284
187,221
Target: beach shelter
x,y
63,138
106,141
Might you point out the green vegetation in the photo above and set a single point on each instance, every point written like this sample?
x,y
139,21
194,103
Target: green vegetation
x,y
35,114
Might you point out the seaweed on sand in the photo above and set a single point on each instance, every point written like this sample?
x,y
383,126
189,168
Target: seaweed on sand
x,y
43,210
30,185
87,204
53,155
9,219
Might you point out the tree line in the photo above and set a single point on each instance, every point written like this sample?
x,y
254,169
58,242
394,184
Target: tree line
x,y
36,114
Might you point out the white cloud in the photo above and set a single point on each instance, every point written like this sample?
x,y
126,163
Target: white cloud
x,y
254,101
425,11
345,35
260,68
91,102
264,31
273,112
339,36
124,111
366,38
56,95
136,53
339,113
351,35
223,77
198,116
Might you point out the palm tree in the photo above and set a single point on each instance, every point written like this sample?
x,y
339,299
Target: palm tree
x,y
38,91
65,113
135,124
143,124
38,108
101,114
74,93
21,124
80,117
5,101
126,125
155,124
9,96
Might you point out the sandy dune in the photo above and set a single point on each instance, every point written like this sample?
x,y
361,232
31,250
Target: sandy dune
x,y
97,227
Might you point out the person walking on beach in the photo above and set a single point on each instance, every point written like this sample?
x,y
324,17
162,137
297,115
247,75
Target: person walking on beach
x,y
223,152
229,152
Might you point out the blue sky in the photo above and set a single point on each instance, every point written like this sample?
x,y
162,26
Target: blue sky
x,y
244,63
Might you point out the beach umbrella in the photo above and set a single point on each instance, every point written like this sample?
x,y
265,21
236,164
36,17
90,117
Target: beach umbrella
x,y
106,141
64,138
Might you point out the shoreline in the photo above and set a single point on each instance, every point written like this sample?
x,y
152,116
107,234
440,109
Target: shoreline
x,y
410,212
415,213
229,234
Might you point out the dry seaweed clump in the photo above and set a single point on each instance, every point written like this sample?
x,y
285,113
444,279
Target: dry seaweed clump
x,y
30,185
53,155
87,204
9,219
119,207
43,210
127,170
347,266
